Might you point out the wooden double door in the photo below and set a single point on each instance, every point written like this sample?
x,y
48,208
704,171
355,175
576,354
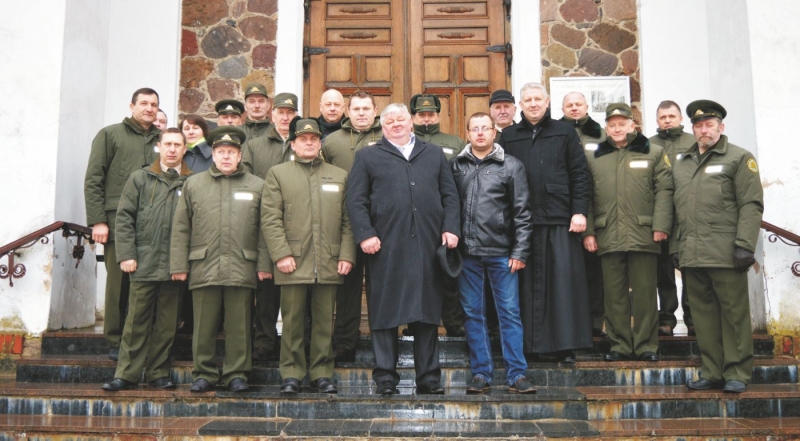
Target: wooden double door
x,y
395,49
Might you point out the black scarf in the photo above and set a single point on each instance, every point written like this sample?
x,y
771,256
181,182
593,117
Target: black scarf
x,y
670,134
636,143
588,126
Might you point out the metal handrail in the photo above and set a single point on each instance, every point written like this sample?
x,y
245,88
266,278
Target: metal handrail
x,y
13,271
787,237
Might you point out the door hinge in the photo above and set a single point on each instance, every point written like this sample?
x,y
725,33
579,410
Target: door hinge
x,y
307,53
503,49
507,7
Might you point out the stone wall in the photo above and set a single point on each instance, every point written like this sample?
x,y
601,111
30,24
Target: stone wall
x,y
225,45
589,38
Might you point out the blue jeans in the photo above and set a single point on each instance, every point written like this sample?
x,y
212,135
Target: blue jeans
x,y
505,288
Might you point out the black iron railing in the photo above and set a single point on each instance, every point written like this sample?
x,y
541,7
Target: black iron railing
x,y
13,270
786,237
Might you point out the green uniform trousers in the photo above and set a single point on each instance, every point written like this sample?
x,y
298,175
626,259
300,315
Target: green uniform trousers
x,y
147,342
636,270
668,292
208,302
293,308
117,293
725,334
348,306
265,316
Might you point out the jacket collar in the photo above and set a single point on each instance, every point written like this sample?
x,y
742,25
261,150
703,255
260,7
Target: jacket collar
x,y
315,161
387,145
348,125
425,130
155,168
670,134
497,153
639,143
214,171
542,123
329,127
587,125
272,132
720,148
252,123
136,127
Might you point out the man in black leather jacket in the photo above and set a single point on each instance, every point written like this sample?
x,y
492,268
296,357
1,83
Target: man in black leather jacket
x,y
496,234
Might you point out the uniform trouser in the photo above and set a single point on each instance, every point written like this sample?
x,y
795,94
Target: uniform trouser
x,y
426,354
452,312
208,302
636,270
147,342
293,354
725,334
117,293
668,292
265,316
348,306
594,280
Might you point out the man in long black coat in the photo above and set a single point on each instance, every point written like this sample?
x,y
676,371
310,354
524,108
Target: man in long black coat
x,y
403,204
554,300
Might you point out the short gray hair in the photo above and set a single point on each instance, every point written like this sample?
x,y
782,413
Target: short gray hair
x,y
572,93
393,108
528,86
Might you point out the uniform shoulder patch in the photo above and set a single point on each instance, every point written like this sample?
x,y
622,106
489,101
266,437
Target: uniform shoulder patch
x,y
666,160
752,165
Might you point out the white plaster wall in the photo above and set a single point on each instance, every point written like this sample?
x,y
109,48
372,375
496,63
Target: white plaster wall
x,y
83,80
143,51
31,79
289,55
775,50
526,65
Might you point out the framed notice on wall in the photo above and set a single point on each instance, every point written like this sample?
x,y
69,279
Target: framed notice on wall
x,y
599,93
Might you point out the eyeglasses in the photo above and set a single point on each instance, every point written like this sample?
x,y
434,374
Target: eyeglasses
x,y
480,129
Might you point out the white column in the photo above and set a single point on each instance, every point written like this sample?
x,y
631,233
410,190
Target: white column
x,y
289,55
526,43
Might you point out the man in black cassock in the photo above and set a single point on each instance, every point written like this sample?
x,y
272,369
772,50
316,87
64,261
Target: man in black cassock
x,y
554,299
403,204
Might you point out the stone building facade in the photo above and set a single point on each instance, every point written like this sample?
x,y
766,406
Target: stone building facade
x,y
225,45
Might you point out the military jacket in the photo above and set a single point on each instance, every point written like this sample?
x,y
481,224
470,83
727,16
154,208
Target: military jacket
x,y
589,131
144,221
261,154
304,216
674,141
254,129
451,145
117,151
216,235
632,196
719,203
340,147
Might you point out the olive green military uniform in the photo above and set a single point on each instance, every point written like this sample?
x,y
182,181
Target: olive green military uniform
x,y
216,239
255,129
592,135
632,200
117,151
258,157
144,227
339,149
719,203
674,141
304,216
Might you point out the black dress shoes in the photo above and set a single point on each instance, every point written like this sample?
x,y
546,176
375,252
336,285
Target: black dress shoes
x,y
290,386
238,385
163,383
734,386
200,385
113,353
431,388
615,356
118,384
386,388
704,384
566,357
649,356
324,385
456,331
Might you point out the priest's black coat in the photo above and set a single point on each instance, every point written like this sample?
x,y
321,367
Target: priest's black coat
x,y
407,204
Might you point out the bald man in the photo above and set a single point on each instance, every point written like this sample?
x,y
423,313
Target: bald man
x,y
331,109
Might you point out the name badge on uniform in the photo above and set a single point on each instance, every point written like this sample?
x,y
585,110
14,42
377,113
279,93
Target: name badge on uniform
x,y
448,151
240,196
591,146
714,168
679,156
330,187
638,164
291,158
155,148
178,192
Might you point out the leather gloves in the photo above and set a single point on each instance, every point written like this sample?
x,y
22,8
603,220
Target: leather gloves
x,y
675,260
742,259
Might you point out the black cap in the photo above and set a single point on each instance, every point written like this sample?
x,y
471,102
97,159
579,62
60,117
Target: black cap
x,y
229,107
227,135
704,109
501,95
450,261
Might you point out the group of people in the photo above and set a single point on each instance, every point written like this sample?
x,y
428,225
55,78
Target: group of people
x,y
564,229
